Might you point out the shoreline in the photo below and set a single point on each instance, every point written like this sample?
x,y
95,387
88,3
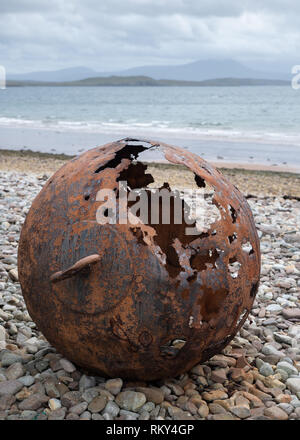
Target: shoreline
x,y
223,153
222,165
251,179
256,167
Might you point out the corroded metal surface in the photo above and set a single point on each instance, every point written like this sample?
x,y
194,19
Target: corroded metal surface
x,y
135,312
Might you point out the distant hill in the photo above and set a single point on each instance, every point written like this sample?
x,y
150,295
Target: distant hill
x,y
202,70
195,71
71,74
134,81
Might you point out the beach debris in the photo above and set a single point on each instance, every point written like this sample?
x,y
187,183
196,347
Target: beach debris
x,y
138,297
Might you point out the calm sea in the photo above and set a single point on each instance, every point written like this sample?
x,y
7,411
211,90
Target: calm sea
x,y
233,123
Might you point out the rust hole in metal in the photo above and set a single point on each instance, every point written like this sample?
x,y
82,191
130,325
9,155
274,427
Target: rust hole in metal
x,y
127,152
233,214
204,260
172,263
247,247
192,278
199,181
135,176
254,289
166,235
234,267
172,347
232,237
139,235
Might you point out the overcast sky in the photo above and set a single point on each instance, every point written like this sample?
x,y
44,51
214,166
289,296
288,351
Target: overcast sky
x,y
115,34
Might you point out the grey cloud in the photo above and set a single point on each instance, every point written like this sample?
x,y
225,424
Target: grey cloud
x,y
113,34
27,6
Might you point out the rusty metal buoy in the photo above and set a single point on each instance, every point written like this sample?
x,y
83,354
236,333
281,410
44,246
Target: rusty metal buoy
x,y
136,300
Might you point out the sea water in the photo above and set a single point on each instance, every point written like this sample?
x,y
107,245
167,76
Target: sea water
x,y
258,124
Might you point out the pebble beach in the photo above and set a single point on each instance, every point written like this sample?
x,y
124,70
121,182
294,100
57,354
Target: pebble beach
x,y
256,377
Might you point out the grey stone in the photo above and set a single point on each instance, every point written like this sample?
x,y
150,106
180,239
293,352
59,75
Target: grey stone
x,y
286,407
54,404
215,408
62,388
97,416
269,349
114,386
152,394
89,394
295,402
37,387
148,407
79,408
72,416
58,414
287,359
28,415
14,371
86,382
266,369
67,365
41,353
130,400
27,381
240,411
86,415
51,389
10,387
13,417
286,366
144,415
293,384
2,333
71,398
274,308
129,415
283,338
282,373
41,365
13,273
26,331
33,402
293,314
112,409
6,402
10,358
97,404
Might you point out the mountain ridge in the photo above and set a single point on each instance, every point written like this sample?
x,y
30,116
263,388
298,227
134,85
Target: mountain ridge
x,y
136,81
194,71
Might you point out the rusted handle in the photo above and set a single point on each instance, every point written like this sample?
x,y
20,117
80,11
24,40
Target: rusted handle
x,y
77,267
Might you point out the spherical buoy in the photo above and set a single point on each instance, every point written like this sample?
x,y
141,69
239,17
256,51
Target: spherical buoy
x,y
124,290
